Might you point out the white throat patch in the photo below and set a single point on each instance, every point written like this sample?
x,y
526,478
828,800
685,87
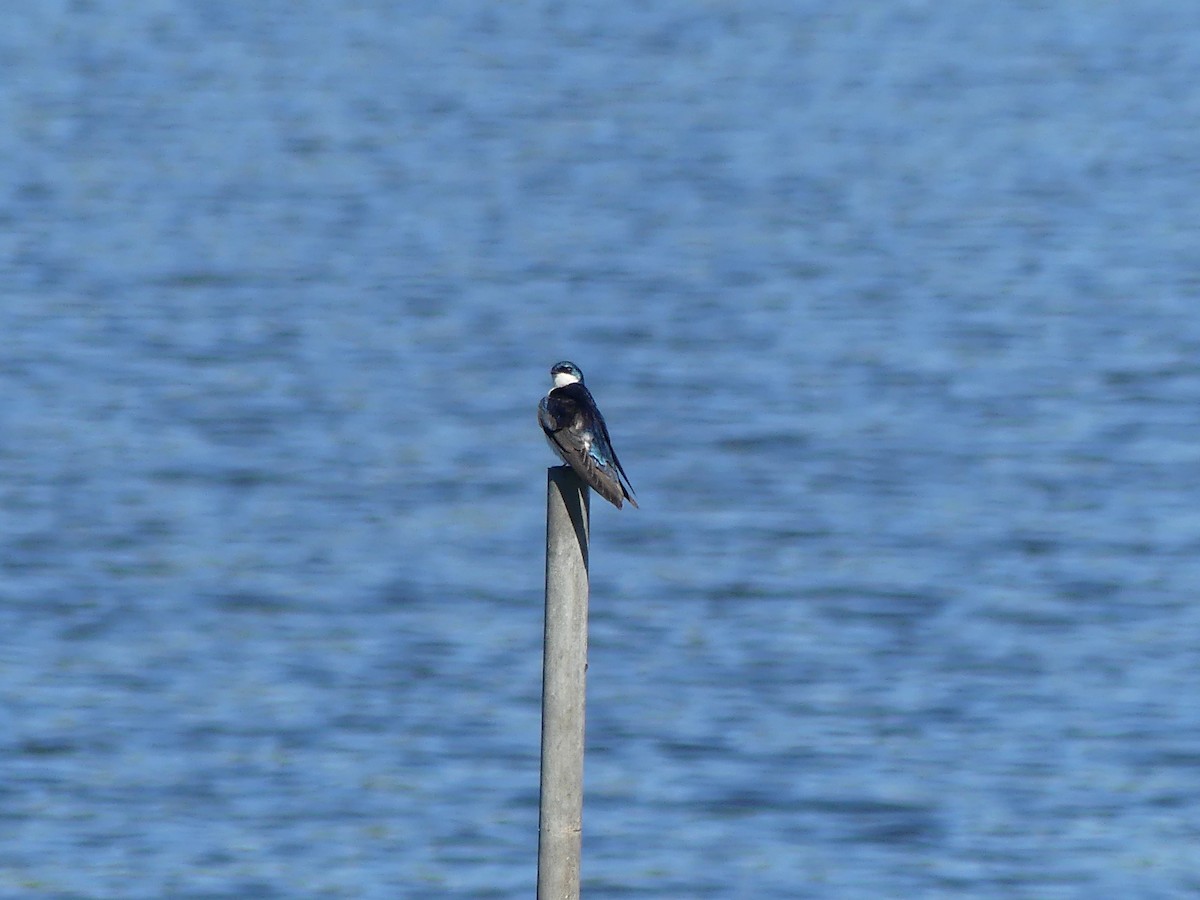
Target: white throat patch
x,y
562,379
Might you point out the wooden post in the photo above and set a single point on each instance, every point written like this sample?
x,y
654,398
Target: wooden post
x,y
564,670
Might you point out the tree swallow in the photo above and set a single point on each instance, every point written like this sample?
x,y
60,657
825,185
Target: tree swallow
x,y
576,431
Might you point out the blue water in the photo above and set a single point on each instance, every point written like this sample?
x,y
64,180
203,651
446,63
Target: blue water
x,y
892,308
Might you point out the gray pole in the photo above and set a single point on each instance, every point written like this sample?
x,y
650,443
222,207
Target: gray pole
x,y
564,669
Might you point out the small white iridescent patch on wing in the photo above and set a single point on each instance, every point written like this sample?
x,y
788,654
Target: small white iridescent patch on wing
x,y
589,447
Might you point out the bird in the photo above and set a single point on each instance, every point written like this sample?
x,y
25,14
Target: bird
x,y
576,431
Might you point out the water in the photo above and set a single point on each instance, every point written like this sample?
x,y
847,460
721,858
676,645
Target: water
x,y
891,310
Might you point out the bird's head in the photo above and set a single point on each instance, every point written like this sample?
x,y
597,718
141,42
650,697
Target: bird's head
x,y
565,373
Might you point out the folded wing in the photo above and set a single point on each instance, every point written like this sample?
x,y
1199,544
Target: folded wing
x,y
576,431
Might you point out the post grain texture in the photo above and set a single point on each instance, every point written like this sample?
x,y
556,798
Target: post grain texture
x,y
564,671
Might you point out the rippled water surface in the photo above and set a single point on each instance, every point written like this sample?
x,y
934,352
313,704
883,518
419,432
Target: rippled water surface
x,y
892,310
